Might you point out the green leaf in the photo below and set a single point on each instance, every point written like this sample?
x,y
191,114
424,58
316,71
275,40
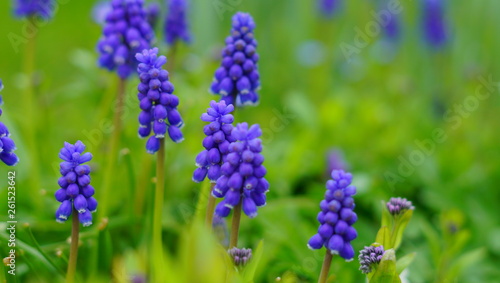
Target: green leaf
x,y
399,228
384,237
385,272
249,270
404,262
464,261
386,216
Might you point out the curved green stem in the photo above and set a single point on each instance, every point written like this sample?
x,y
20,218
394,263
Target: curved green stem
x,y
73,254
157,246
326,267
210,208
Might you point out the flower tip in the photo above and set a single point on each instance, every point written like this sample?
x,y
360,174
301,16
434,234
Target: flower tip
x,y
86,224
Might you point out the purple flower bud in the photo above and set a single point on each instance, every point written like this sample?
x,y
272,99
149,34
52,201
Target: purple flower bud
x,y
64,211
61,195
370,257
85,218
249,207
34,8
240,257
316,242
199,174
335,244
80,203
152,145
398,206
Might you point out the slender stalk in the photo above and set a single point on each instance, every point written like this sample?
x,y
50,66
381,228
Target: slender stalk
x,y
157,247
326,267
73,253
113,152
171,59
31,110
210,208
235,226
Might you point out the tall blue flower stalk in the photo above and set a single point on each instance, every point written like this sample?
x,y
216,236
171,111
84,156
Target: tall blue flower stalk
x,y
125,33
7,145
216,144
160,116
176,24
242,183
336,218
434,24
237,80
75,195
34,8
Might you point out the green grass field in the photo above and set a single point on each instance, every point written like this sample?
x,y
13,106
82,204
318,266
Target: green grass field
x,y
409,121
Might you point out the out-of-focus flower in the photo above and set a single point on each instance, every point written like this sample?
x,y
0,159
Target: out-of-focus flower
x,y
242,180
216,143
157,101
336,217
370,257
7,145
240,257
153,14
75,193
237,79
397,206
30,8
176,24
434,26
125,33
335,161
328,8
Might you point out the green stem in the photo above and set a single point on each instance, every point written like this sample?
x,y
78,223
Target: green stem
x,y
115,141
157,247
326,267
235,226
73,254
210,208
31,121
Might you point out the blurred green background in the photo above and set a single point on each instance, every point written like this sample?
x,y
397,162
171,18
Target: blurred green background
x,y
372,108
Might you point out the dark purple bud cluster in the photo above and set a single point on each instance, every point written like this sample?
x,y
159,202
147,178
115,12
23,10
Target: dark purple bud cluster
x,y
237,80
434,26
157,101
397,206
125,33
40,8
216,143
75,191
369,257
336,217
242,180
240,257
7,145
176,25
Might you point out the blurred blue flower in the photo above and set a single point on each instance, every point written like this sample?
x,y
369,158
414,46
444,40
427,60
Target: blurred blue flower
x,y
242,180
328,8
153,14
434,25
217,140
237,79
336,217
335,160
157,101
176,24
75,193
29,8
7,145
125,33
370,256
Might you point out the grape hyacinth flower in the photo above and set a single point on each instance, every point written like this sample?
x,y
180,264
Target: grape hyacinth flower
x,y
153,14
398,206
217,141
242,180
157,101
7,145
31,8
240,257
336,217
370,257
237,79
328,7
176,24
335,161
434,26
75,193
392,28
125,33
